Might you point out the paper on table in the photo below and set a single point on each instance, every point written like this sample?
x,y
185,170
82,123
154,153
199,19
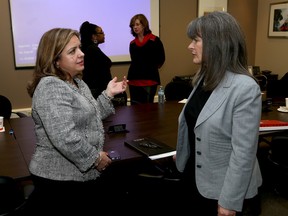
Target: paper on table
x,y
273,128
154,157
183,101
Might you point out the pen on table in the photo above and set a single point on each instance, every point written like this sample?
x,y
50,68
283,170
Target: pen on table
x,y
11,132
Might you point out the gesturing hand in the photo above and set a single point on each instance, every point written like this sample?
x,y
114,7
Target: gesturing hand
x,y
114,87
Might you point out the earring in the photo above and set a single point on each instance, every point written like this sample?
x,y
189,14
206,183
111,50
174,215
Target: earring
x,y
95,41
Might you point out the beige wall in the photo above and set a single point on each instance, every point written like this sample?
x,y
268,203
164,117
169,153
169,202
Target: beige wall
x,y
271,53
174,17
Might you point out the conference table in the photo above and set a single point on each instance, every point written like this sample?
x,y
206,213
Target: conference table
x,y
12,162
159,121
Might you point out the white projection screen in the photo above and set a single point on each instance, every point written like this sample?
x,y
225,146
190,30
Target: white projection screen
x,y
31,18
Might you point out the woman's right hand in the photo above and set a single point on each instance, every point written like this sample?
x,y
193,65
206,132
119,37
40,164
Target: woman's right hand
x,y
103,161
114,87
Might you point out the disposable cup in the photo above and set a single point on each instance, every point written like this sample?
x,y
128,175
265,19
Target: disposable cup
x,y
1,122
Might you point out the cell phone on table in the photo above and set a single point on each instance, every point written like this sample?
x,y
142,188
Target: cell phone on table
x,y
114,155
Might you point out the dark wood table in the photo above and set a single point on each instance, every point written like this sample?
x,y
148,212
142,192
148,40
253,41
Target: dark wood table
x,y
273,113
155,120
159,121
12,162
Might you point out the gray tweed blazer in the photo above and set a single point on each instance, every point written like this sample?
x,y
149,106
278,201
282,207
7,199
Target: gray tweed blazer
x,y
69,130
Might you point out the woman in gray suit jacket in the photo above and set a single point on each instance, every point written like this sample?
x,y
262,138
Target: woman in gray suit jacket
x,y
218,126
69,156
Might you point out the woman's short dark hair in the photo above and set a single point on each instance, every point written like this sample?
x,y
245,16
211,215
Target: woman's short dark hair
x,y
87,29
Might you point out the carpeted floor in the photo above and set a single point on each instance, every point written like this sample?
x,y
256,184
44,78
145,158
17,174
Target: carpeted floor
x,y
272,202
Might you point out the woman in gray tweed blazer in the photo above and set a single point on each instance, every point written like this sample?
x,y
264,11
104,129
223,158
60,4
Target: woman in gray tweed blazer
x,y
219,124
69,156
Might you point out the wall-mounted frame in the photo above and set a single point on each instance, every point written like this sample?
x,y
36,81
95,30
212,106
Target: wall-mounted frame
x,y
278,20
208,6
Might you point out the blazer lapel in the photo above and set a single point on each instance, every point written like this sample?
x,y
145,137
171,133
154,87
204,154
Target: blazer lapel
x,y
217,97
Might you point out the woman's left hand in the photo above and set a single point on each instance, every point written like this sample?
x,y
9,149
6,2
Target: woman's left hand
x,y
114,87
225,212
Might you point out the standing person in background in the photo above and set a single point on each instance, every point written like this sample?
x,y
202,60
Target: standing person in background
x,y
97,70
219,125
97,64
147,56
69,157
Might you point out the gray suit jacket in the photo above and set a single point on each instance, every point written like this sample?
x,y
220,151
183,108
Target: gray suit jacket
x,y
69,130
226,140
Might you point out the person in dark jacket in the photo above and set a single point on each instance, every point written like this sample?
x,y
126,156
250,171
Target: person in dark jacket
x,y
147,57
97,64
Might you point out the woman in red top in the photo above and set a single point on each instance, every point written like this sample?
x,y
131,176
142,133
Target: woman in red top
x,y
147,56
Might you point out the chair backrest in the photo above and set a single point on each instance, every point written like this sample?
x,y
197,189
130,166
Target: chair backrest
x,y
5,107
11,195
177,90
262,80
279,150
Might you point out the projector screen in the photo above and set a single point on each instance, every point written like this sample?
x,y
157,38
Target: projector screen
x,y
30,19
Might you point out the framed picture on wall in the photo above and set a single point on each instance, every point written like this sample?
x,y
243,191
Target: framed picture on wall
x,y
278,20
208,6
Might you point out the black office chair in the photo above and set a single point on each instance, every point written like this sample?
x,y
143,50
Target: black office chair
x,y
262,81
6,108
278,156
13,196
159,180
177,90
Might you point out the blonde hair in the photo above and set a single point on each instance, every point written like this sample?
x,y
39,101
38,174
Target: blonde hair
x,y
49,50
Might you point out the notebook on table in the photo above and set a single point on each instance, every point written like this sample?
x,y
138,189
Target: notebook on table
x,y
268,125
152,148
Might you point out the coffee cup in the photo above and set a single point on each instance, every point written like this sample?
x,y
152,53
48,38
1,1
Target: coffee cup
x,y
1,123
286,103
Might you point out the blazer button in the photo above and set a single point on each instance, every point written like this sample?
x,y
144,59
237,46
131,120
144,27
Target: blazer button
x,y
198,139
198,153
199,166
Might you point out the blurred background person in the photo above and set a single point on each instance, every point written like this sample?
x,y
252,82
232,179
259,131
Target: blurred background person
x,y
97,70
147,57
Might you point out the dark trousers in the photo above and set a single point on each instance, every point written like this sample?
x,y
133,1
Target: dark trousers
x,y
142,94
200,205
71,198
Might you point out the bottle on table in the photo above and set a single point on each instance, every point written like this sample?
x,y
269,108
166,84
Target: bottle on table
x,y
161,95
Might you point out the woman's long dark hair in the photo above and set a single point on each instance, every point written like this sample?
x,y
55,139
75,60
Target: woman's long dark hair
x,y
224,47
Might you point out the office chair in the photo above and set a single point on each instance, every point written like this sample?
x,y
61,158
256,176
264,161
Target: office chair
x,y
6,108
159,180
278,156
13,197
177,90
262,81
